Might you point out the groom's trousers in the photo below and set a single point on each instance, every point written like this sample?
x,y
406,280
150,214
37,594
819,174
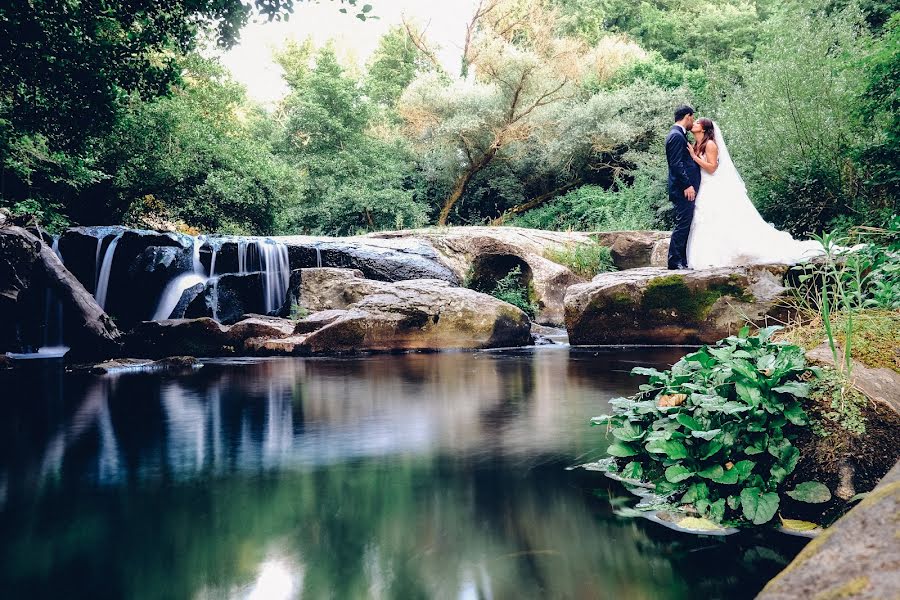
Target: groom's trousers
x,y
684,215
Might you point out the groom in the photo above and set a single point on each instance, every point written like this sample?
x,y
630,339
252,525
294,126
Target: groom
x,y
684,183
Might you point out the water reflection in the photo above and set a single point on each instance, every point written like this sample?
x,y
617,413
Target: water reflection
x,y
434,476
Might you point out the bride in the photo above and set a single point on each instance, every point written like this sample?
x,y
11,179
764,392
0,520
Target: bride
x,y
727,230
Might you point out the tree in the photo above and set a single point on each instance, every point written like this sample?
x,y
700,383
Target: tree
x,y
356,180
393,66
194,156
521,69
789,124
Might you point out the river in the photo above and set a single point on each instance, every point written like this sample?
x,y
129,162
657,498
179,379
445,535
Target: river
x,y
386,476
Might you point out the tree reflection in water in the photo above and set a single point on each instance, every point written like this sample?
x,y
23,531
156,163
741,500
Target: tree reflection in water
x,y
423,475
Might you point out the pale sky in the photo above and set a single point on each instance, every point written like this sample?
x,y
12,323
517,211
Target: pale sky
x,y
251,61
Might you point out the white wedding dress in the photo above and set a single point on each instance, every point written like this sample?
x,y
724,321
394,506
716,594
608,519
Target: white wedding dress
x,y
728,231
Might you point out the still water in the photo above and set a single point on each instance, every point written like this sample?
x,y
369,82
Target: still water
x,y
405,476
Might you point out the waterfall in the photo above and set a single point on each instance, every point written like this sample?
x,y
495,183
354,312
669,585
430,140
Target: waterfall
x,y
212,261
176,288
105,270
276,269
53,321
318,258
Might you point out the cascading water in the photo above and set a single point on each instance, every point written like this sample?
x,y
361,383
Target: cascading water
x,y
318,258
276,269
105,270
173,292
53,322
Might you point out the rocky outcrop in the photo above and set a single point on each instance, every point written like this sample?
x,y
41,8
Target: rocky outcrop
x,y
657,306
857,557
482,255
636,249
28,268
354,313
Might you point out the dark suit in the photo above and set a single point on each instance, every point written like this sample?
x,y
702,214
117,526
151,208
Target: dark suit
x,y
683,173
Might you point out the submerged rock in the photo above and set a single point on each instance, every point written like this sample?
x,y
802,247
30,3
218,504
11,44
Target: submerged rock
x,y
656,306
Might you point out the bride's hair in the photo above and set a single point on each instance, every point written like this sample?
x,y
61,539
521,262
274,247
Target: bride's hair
x,y
709,133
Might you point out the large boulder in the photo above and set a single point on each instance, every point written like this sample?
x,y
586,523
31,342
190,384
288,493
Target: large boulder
x,y
656,306
857,557
636,249
352,313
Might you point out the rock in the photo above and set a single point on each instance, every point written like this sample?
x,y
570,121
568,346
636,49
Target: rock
x,y
857,557
635,249
256,326
484,254
6,363
227,297
879,385
292,301
5,216
28,267
318,320
656,306
173,364
171,337
352,313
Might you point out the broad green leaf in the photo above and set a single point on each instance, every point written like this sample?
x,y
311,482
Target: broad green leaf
x,y
734,502
696,491
671,448
727,477
664,488
812,492
795,414
748,392
778,474
744,332
711,448
789,457
743,368
632,470
797,389
706,435
730,408
711,472
743,468
717,510
688,421
677,473
629,432
759,507
621,450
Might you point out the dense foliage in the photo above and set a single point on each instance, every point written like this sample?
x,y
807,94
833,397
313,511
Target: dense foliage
x,y
554,119
715,432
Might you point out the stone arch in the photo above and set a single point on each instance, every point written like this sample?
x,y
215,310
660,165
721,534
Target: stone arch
x,y
488,269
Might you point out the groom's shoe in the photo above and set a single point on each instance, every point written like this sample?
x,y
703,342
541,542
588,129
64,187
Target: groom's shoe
x,y
678,267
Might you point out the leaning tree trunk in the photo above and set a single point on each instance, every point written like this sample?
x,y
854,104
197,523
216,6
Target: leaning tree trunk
x,y
459,188
24,261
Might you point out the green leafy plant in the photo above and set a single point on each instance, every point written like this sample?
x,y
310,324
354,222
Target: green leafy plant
x,y
511,289
585,260
714,434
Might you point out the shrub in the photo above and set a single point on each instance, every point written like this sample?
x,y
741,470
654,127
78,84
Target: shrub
x,y
593,208
513,290
715,432
585,260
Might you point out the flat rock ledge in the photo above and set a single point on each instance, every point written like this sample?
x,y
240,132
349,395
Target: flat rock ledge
x,y
348,314
653,305
858,557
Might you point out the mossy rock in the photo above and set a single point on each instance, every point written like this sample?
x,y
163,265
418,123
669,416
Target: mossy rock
x,y
656,306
